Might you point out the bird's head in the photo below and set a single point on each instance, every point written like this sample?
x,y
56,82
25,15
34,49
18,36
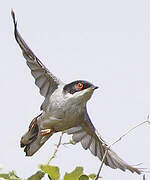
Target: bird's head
x,y
79,90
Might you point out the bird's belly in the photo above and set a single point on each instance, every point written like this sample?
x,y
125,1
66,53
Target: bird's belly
x,y
58,124
61,120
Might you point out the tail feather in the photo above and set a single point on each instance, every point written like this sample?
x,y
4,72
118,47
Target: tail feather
x,y
33,140
35,145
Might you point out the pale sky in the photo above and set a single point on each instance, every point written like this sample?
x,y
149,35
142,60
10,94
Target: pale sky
x,y
104,42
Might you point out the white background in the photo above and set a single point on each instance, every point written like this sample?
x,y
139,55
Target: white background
x,y
105,42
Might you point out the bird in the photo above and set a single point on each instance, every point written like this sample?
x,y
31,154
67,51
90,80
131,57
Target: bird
x,y
64,110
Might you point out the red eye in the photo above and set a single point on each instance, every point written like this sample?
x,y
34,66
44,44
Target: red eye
x,y
79,86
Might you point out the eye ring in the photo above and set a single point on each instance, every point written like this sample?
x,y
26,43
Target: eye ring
x,y
79,86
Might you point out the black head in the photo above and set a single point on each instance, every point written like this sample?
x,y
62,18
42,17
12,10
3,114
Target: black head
x,y
77,86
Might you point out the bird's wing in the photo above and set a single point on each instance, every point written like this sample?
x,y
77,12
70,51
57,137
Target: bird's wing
x,y
90,139
44,79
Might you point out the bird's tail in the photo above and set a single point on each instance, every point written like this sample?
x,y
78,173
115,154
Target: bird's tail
x,y
32,140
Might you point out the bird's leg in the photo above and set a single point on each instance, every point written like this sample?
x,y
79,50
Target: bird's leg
x,y
45,132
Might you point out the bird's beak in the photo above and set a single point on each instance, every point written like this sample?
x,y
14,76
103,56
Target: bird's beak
x,y
95,87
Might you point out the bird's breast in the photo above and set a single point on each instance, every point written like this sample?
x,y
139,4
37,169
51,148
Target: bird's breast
x,y
62,112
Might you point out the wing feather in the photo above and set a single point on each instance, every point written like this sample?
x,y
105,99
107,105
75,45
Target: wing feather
x,y
90,139
79,136
44,79
86,141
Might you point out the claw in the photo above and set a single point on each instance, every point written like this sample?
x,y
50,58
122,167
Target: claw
x,y
46,132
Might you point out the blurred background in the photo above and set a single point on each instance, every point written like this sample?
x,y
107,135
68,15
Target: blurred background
x,y
104,42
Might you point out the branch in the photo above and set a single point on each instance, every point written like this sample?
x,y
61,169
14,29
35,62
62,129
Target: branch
x,y
123,135
127,132
56,149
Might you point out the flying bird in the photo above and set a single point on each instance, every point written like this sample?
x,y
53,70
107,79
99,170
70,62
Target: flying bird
x,y
64,109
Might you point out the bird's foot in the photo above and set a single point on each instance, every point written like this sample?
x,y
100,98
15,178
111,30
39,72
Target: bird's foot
x,y
46,132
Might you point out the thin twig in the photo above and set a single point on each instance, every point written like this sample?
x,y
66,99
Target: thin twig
x,y
56,149
97,176
126,133
108,147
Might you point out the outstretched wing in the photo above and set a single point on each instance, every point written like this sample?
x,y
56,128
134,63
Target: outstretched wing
x,y
45,80
90,139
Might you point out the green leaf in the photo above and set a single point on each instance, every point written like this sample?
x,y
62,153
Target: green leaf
x,y
52,171
9,176
83,177
92,176
37,176
5,176
13,176
74,175
72,142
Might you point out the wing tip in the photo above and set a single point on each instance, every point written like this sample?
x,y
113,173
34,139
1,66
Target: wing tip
x,y
13,16
15,24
